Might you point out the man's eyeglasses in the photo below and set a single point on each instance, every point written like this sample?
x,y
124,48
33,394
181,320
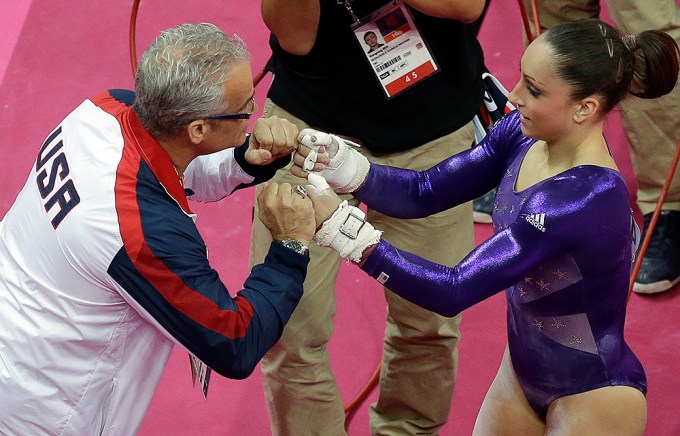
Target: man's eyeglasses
x,y
238,115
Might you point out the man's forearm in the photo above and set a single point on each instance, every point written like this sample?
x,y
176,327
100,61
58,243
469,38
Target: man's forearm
x,y
466,11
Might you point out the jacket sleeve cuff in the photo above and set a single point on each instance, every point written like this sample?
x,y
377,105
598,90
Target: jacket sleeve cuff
x,y
261,173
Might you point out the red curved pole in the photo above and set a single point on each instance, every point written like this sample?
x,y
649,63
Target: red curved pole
x,y
132,36
353,405
537,21
526,21
259,77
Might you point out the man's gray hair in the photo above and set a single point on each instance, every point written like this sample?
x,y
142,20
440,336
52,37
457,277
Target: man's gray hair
x,y
180,77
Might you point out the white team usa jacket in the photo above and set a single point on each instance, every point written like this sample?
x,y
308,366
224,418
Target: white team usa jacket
x,y
102,271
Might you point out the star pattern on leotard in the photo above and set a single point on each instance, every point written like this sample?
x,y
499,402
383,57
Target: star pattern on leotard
x,y
495,206
561,275
545,286
557,323
539,325
576,342
571,330
522,292
550,278
508,173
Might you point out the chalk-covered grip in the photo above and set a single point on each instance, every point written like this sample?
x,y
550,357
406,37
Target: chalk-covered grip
x,y
347,232
347,169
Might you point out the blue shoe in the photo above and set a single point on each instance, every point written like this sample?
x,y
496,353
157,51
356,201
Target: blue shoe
x,y
660,269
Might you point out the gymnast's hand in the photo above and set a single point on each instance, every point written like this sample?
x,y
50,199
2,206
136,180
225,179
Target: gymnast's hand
x,y
344,168
324,200
340,226
315,159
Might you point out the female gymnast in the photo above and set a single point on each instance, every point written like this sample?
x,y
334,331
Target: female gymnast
x,y
564,233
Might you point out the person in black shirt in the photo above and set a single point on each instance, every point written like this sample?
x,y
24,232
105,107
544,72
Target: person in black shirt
x,y
323,78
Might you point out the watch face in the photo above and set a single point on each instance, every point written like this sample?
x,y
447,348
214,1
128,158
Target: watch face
x,y
295,245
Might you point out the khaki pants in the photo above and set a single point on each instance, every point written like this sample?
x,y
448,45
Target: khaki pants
x,y
420,358
651,126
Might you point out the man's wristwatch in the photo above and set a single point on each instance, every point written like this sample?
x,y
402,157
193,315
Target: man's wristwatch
x,y
296,246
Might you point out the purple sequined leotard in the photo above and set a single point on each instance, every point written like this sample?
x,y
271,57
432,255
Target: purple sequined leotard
x,y
562,252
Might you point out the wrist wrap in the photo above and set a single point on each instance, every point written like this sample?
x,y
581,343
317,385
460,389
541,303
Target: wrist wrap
x,y
347,232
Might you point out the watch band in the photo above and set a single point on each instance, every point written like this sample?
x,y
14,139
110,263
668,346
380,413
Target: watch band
x,y
296,246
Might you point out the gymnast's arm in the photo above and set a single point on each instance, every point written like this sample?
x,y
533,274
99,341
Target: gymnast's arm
x,y
456,180
493,266
504,259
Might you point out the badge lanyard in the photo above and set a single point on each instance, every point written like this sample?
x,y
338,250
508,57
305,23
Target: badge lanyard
x,y
348,6
393,46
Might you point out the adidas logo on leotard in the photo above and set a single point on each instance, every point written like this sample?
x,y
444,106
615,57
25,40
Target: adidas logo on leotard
x,y
537,220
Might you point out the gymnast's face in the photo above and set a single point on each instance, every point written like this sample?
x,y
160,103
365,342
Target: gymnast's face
x,y
542,98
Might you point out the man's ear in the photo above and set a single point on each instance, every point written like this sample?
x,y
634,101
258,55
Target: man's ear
x,y
196,131
586,109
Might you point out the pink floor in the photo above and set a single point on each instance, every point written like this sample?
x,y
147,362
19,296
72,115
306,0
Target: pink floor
x,y
54,53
